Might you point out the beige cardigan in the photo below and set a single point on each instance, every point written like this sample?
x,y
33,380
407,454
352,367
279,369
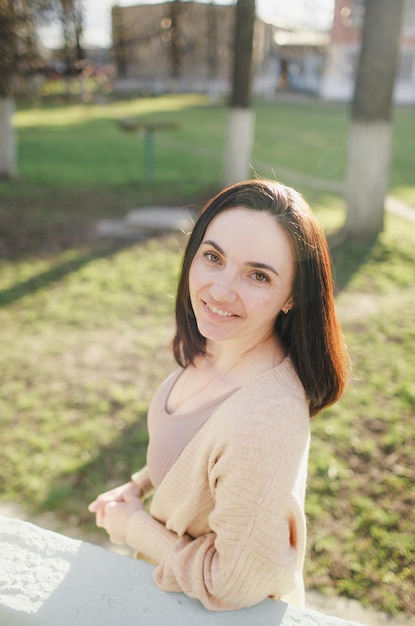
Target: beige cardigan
x,y
227,522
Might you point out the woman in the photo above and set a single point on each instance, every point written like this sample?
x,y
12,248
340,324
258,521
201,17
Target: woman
x,y
260,352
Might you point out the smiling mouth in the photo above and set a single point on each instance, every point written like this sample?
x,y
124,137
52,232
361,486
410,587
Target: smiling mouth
x,y
219,312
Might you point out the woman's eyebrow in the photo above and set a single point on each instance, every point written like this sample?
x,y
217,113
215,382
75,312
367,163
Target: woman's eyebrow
x,y
209,242
254,264
262,266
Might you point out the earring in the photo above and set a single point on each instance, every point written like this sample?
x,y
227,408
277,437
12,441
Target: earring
x,y
285,311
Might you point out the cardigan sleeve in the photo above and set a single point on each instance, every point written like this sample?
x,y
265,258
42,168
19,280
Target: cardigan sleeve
x,y
143,481
255,544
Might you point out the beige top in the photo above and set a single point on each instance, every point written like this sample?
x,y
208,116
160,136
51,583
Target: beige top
x,y
170,433
226,524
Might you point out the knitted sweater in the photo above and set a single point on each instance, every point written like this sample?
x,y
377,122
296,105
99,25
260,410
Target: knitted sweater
x,y
227,524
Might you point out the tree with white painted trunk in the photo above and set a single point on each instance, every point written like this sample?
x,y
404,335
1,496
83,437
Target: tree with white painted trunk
x,y
241,121
369,148
8,162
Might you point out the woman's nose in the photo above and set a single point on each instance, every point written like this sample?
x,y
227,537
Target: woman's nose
x,y
223,287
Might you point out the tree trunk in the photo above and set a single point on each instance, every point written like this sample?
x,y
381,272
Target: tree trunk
x,y
239,141
370,128
8,164
244,37
240,130
119,45
8,167
367,177
176,53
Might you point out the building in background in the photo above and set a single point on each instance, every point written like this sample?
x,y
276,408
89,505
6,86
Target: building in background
x,y
188,46
343,53
172,45
301,57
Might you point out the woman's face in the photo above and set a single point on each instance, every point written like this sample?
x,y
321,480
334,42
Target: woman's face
x,y
241,276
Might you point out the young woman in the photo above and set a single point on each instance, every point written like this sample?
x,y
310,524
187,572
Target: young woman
x,y
259,351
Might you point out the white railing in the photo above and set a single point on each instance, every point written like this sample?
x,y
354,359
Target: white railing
x,y
50,579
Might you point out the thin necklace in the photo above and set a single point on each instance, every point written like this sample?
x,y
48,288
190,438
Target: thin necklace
x,y
242,358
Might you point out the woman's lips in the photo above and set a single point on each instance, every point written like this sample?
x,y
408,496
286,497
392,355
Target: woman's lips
x,y
219,312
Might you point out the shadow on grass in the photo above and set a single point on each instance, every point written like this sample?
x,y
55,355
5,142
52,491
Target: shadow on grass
x,y
348,256
113,465
60,271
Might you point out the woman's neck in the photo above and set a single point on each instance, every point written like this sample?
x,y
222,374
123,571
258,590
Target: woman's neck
x,y
227,367
226,356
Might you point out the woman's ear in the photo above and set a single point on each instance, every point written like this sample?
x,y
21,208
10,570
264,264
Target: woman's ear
x,y
288,305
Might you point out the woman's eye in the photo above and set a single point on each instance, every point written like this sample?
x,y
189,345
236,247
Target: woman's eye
x,y
212,257
260,277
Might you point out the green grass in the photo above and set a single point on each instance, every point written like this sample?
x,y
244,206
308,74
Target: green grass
x,y
82,145
80,359
361,492
87,325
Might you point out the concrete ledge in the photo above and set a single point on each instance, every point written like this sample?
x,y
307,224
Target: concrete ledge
x,y
46,578
143,222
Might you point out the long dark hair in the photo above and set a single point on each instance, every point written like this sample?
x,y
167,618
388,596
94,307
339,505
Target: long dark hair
x,y
310,332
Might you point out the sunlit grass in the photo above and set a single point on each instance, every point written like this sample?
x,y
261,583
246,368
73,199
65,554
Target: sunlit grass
x,y
83,144
70,114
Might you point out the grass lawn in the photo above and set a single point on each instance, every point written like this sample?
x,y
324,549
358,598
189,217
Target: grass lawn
x,y
86,325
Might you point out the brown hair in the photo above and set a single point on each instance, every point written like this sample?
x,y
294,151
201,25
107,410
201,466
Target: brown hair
x,y
310,332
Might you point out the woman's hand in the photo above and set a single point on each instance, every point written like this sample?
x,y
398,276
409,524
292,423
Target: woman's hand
x,y
118,494
117,516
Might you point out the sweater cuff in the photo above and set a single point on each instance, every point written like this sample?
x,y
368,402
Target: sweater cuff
x,y
149,537
142,480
